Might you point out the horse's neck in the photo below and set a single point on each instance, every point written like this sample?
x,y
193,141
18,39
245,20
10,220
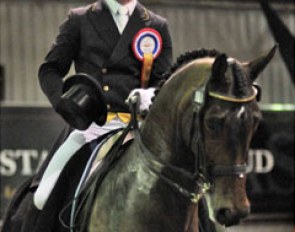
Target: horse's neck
x,y
166,129
159,131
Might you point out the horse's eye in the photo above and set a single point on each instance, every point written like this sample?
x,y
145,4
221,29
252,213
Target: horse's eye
x,y
215,124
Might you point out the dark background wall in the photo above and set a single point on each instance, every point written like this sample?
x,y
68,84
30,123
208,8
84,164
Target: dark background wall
x,y
238,28
28,126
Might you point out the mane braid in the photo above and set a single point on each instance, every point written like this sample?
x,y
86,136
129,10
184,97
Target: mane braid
x,y
189,56
242,82
184,59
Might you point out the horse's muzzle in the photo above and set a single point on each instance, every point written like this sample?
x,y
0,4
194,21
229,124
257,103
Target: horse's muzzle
x,y
230,217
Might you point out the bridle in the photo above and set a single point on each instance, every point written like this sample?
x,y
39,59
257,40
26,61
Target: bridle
x,y
200,179
239,170
156,165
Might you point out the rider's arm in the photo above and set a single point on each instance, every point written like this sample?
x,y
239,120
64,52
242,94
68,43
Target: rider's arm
x,y
59,59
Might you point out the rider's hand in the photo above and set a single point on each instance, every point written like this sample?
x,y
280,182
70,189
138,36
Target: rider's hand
x,y
145,96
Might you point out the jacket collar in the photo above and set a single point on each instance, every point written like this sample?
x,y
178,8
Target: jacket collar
x,y
137,21
103,23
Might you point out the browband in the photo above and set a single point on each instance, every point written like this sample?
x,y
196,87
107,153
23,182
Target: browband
x,y
234,99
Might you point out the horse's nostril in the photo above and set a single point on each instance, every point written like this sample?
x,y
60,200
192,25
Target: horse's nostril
x,y
244,213
223,215
227,217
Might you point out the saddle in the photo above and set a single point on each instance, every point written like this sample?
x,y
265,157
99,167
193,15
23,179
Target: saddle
x,y
103,158
108,150
106,147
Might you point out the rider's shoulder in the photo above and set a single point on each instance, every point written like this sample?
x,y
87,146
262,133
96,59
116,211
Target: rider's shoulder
x,y
82,10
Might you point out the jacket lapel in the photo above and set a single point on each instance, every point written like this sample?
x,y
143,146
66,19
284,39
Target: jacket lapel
x,y
103,23
138,20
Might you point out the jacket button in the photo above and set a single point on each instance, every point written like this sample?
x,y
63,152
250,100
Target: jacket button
x,y
106,88
104,70
108,106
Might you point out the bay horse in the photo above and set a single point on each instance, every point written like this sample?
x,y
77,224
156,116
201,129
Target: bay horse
x,y
192,144
195,140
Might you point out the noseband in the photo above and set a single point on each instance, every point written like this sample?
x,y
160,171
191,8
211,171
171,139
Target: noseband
x,y
200,179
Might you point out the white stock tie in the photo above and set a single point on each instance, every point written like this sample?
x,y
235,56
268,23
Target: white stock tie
x,y
122,17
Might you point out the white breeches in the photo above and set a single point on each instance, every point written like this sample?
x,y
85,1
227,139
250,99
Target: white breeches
x,y
72,144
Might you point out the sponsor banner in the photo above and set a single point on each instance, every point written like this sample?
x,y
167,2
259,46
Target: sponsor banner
x,y
271,164
28,133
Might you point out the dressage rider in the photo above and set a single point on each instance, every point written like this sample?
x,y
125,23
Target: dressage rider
x,y
106,40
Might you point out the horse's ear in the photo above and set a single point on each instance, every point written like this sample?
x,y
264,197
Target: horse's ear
x,y
257,65
219,66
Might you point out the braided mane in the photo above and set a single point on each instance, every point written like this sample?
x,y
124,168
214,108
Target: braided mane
x,y
186,58
189,56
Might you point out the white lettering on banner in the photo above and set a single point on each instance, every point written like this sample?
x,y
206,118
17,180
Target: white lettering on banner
x,y
26,162
7,163
260,161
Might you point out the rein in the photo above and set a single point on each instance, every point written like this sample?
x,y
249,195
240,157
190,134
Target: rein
x,y
198,180
156,165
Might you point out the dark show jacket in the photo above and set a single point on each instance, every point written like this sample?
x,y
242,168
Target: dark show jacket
x,y
90,38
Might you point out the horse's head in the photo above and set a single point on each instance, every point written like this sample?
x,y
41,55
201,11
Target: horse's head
x,y
229,118
200,127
